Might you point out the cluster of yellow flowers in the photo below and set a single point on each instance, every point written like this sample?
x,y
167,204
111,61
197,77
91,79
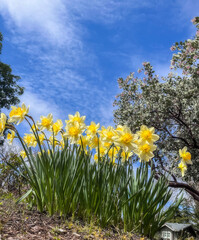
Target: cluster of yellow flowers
x,y
114,142
185,159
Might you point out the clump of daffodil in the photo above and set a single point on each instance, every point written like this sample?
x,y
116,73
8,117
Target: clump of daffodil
x,y
146,135
57,127
10,136
3,119
74,131
17,114
186,156
92,129
46,122
30,140
183,167
76,118
125,139
145,151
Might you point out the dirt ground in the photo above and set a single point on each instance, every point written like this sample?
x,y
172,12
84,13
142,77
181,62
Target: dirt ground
x,y
17,222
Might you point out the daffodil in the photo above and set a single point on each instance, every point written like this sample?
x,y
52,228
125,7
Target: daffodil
x,y
95,142
183,167
108,134
147,135
112,153
119,128
186,156
30,140
76,118
53,140
57,126
41,138
46,122
125,155
74,131
17,114
92,129
145,151
84,141
2,123
125,139
23,154
11,136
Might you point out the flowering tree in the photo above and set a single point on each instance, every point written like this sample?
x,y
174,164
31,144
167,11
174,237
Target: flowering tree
x,y
171,105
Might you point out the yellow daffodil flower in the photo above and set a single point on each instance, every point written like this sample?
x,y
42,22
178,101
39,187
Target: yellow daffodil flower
x,y
11,136
145,151
126,155
186,156
74,131
41,138
46,122
17,114
53,140
92,129
125,139
2,123
76,118
119,128
108,134
57,126
23,154
95,142
30,140
183,167
84,141
147,135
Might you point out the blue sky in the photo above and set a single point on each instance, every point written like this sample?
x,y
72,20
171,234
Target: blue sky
x,y
70,54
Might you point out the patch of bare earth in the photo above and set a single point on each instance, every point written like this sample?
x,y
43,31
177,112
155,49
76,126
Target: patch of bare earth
x,y
17,222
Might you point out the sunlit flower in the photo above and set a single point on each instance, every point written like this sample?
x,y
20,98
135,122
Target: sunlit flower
x,y
186,156
2,123
125,139
46,122
147,135
126,155
34,128
84,141
53,140
145,151
74,131
30,140
92,129
11,136
95,142
41,138
23,154
183,167
108,134
76,118
17,114
57,126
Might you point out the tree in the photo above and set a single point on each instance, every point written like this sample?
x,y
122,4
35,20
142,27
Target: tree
x,y
9,90
171,105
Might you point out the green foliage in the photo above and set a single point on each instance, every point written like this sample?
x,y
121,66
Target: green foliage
x,y
9,90
10,178
67,182
169,104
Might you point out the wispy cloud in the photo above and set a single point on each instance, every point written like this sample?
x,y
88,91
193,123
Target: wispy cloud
x,y
60,71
